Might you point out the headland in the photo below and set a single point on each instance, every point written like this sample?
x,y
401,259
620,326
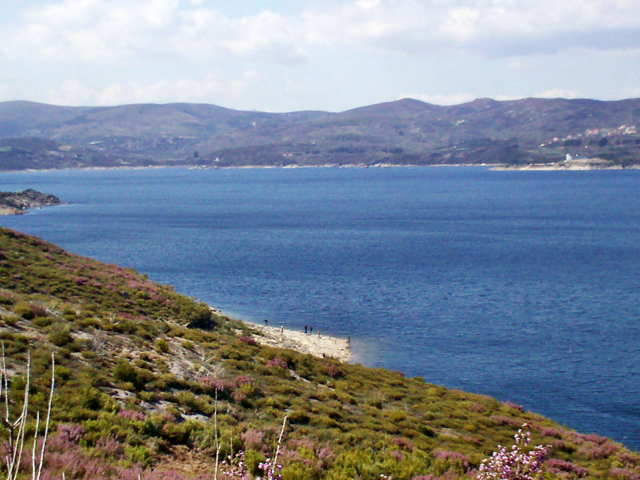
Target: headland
x,y
17,203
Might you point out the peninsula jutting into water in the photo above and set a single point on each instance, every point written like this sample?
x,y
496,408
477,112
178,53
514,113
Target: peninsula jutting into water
x,y
17,203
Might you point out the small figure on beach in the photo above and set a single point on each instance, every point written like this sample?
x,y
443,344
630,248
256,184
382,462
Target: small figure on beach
x,y
266,322
318,333
305,329
348,341
281,328
310,330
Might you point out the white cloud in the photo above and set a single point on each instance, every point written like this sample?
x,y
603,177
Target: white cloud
x,y
74,92
631,92
70,92
558,93
504,98
455,99
491,27
100,31
161,50
6,92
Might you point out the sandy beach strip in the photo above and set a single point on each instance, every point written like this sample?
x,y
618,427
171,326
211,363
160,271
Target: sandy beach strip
x,y
322,346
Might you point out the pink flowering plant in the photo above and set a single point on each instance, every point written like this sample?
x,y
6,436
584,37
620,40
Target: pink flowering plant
x,y
516,463
271,469
236,468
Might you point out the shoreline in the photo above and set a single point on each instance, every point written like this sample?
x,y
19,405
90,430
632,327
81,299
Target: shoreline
x,y
322,346
560,168
575,164
257,167
7,211
490,166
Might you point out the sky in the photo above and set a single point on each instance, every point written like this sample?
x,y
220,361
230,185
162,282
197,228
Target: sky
x,y
330,55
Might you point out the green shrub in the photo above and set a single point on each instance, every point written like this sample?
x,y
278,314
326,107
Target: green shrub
x,y
64,353
42,321
253,459
162,366
9,321
298,417
89,322
176,433
162,346
14,343
60,338
125,372
63,373
129,386
299,471
89,355
24,310
6,299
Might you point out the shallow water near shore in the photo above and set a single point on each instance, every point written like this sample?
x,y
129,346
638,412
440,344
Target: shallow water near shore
x,y
519,285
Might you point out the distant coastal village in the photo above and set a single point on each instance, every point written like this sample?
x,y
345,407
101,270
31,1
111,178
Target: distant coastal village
x,y
602,133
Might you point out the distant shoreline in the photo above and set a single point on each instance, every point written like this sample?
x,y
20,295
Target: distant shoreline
x,y
560,166
578,164
247,167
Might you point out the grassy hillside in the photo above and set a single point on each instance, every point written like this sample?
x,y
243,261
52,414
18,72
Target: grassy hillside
x,y
139,367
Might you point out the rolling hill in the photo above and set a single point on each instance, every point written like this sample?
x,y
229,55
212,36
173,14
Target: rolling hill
x,y
396,133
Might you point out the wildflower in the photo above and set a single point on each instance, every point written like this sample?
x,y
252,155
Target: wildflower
x,y
514,464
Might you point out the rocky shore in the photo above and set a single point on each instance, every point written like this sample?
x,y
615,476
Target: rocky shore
x,y
569,164
17,203
315,344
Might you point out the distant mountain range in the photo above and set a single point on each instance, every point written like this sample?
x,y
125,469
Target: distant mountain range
x,y
404,132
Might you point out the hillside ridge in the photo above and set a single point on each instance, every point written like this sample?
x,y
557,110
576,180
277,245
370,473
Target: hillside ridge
x,y
403,132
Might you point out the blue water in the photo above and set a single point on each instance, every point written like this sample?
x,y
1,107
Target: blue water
x,y
519,285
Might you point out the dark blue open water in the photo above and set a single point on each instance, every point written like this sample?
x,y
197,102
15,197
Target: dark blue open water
x,y
519,285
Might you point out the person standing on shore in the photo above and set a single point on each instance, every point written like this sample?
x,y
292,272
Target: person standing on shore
x,y
305,329
266,322
310,330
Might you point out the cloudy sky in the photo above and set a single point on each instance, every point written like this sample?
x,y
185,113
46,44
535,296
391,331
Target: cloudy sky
x,y
316,54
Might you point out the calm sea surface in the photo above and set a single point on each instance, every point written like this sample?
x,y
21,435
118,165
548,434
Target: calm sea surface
x,y
520,285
